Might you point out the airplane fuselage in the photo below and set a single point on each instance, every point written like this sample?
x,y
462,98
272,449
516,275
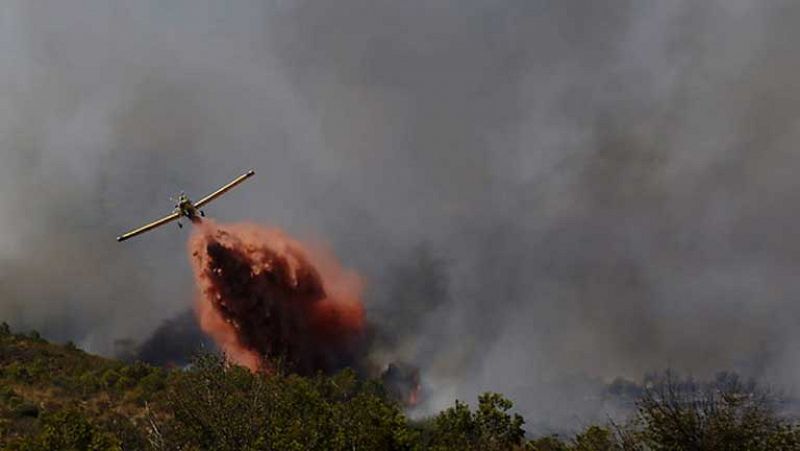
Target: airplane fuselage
x,y
186,208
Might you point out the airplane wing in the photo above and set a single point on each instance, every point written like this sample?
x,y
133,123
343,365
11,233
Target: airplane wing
x,y
224,189
150,226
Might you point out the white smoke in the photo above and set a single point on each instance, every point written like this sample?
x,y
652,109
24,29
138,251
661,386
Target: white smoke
x,y
586,190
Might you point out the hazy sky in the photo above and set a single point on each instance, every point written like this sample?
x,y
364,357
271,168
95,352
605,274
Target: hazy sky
x,y
540,194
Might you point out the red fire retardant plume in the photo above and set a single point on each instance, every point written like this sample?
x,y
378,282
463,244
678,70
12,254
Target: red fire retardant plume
x,y
263,295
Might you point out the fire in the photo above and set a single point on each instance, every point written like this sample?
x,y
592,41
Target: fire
x,y
263,295
403,383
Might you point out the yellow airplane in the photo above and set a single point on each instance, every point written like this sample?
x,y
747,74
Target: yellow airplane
x,y
185,207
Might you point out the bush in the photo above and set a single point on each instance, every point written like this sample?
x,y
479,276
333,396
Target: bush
x,y
123,383
88,383
595,438
18,372
491,427
153,382
109,378
549,443
218,406
67,430
726,414
7,394
36,336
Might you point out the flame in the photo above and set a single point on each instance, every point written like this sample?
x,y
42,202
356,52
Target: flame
x,y
413,396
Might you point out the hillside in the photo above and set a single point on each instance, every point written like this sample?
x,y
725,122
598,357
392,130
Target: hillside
x,y
59,397
39,379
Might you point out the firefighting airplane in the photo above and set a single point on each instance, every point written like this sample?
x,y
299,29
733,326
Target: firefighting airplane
x,y
185,207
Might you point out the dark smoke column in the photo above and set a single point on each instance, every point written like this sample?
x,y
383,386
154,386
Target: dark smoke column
x,y
263,295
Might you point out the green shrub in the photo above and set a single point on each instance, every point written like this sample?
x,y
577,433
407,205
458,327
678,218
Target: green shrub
x,y
7,394
123,383
595,438
88,382
727,414
153,382
18,372
67,430
491,427
109,378
217,406
549,443
36,337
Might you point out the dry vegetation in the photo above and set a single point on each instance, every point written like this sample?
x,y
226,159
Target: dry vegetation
x,y
59,397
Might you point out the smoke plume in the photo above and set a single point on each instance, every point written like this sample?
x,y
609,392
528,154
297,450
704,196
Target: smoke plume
x,y
542,195
174,343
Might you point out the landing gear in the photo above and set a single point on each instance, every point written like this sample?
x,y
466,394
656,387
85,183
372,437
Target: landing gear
x,y
180,226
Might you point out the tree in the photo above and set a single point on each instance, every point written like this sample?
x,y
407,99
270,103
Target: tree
x,y
490,427
595,438
215,405
548,443
67,430
726,414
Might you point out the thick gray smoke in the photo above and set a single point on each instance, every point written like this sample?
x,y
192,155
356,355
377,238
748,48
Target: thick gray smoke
x,y
543,195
